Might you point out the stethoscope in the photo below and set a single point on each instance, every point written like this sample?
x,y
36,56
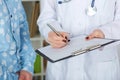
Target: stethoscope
x,y
90,11
64,1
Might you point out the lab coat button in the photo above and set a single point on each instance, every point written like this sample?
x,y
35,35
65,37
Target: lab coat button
x,y
11,16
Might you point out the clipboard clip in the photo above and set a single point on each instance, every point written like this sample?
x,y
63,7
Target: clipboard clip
x,y
81,51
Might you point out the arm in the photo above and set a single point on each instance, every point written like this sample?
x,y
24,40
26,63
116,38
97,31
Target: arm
x,y
111,29
27,54
49,15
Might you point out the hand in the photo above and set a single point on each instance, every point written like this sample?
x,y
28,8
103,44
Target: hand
x,y
96,34
24,75
57,41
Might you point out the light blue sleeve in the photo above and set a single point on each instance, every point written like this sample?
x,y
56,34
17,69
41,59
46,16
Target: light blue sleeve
x,y
27,52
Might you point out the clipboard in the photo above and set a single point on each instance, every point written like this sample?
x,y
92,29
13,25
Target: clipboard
x,y
76,46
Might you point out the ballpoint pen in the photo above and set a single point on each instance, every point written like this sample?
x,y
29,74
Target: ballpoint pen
x,y
55,31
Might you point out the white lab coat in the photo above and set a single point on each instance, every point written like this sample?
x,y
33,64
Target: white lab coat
x,y
71,17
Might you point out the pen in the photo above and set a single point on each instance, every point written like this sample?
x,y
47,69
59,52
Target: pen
x,y
55,31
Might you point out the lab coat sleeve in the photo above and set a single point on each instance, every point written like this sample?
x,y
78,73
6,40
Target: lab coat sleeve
x,y
48,15
112,29
27,54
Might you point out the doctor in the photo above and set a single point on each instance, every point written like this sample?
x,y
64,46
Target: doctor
x,y
95,18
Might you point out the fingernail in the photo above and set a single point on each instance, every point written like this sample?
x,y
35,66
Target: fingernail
x,y
65,37
68,40
87,38
64,41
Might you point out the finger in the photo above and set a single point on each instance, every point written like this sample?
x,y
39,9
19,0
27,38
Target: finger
x,y
89,37
66,36
99,34
53,37
21,77
56,39
24,75
28,77
59,44
94,34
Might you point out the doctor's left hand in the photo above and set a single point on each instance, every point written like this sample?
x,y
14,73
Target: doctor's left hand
x,y
96,34
24,75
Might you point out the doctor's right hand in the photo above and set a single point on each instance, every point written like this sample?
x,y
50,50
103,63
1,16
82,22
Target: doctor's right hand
x,y
57,41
